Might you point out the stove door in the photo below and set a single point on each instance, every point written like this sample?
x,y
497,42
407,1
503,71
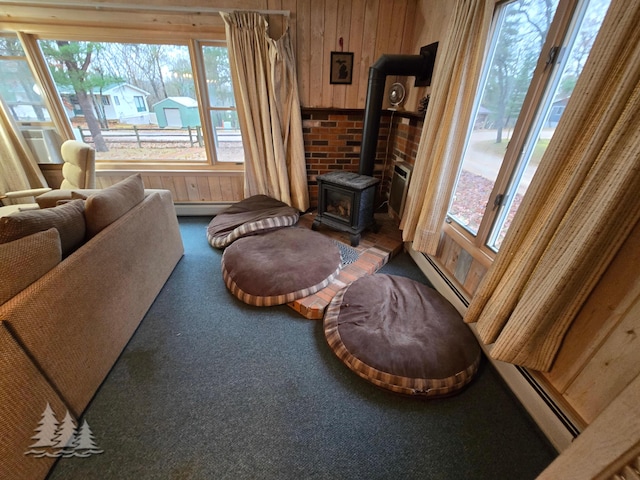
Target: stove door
x,y
338,204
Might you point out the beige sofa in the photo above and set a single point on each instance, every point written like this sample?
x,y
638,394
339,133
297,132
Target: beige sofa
x,y
60,336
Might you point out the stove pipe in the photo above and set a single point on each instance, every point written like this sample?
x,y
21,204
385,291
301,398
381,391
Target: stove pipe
x,y
403,65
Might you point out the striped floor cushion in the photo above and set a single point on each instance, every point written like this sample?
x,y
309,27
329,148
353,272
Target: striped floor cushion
x,y
280,266
401,335
253,215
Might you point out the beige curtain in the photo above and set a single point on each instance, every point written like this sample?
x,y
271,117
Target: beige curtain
x,y
580,207
266,90
18,168
456,74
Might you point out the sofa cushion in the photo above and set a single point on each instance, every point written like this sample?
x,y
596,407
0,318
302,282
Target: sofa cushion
x,y
105,207
68,219
25,260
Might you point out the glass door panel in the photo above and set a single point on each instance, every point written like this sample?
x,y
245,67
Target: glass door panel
x,y
339,203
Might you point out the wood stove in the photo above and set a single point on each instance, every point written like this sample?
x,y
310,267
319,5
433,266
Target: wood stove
x,y
346,203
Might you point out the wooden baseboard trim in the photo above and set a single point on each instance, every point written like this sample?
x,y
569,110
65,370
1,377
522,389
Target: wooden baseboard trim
x,y
199,209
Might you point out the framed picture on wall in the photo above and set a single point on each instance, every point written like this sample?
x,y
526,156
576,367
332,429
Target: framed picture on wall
x,y
341,68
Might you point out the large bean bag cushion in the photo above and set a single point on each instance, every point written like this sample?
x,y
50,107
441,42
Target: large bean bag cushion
x,y
280,266
401,335
253,215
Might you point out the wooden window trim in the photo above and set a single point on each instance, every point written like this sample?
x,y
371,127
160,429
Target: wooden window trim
x,y
113,34
139,165
557,30
469,243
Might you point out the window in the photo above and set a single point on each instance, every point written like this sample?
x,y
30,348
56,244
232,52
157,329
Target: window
x,y
140,105
18,87
23,97
156,115
532,65
222,106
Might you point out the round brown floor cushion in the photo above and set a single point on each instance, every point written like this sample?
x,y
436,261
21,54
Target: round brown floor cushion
x,y
253,215
280,266
401,335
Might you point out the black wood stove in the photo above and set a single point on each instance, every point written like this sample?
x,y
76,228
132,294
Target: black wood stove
x,y
346,203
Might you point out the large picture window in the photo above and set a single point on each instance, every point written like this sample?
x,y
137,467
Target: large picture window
x,y
533,62
140,102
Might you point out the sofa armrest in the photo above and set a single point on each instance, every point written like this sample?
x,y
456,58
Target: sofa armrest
x,y
24,395
76,319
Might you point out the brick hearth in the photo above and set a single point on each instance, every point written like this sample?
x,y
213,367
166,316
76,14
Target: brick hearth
x,y
375,250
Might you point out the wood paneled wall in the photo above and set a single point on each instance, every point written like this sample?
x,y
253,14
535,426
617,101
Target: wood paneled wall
x,y
193,187
368,28
186,186
462,267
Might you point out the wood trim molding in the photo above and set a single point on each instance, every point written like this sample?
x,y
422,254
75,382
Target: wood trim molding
x,y
608,446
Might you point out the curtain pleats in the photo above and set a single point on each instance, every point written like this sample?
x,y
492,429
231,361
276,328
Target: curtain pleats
x,y
266,90
286,88
580,207
18,169
456,74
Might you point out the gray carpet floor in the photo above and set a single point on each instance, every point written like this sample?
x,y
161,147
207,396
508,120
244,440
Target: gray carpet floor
x,y
211,388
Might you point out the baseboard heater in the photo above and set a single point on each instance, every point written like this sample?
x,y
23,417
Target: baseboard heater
x,y
557,426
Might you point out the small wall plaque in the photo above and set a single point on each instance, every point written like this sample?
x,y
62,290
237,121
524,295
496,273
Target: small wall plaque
x,y
341,68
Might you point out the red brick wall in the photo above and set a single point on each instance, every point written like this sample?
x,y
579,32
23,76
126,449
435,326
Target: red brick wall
x,y
332,140
407,131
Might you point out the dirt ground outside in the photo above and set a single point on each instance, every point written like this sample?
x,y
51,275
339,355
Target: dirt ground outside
x,y
231,152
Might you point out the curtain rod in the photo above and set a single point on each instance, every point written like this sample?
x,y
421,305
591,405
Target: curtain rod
x,y
153,8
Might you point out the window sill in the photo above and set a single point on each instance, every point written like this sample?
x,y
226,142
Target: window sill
x,y
483,255
156,167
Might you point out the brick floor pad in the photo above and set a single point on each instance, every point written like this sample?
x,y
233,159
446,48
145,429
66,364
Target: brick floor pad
x,y
375,250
